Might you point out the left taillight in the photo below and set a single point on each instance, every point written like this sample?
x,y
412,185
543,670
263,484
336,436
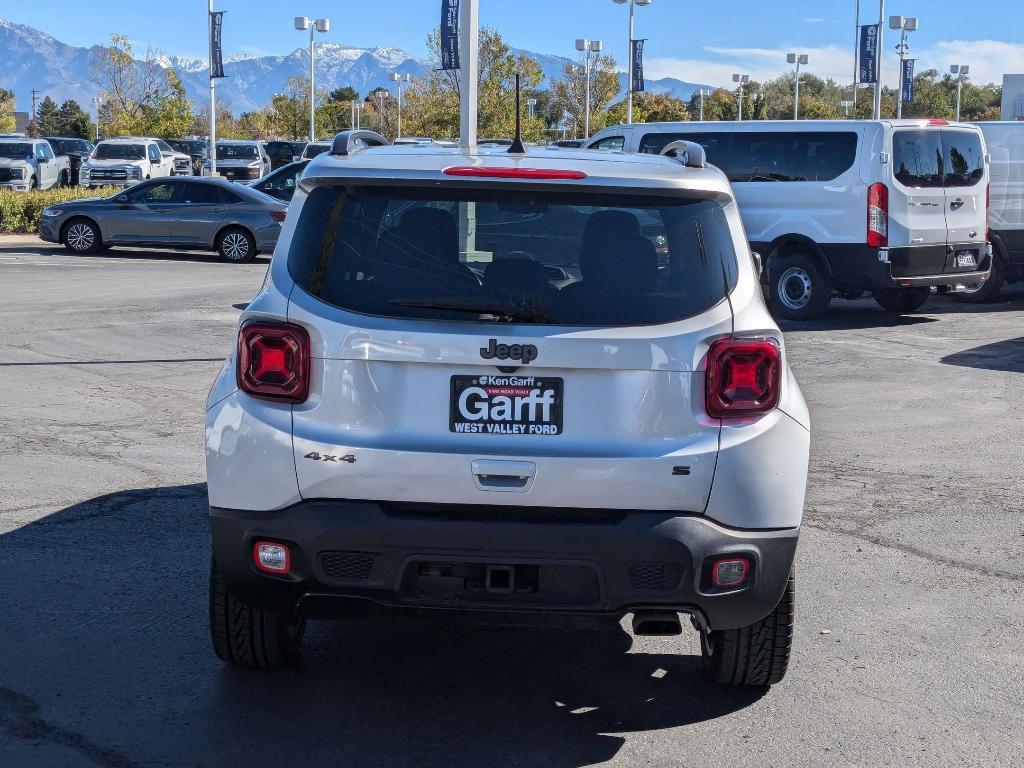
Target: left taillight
x,y
273,361
279,216
744,378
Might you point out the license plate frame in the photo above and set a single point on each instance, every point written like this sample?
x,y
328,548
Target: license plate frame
x,y
966,259
488,414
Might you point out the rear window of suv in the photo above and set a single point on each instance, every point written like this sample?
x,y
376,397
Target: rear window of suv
x,y
930,158
538,258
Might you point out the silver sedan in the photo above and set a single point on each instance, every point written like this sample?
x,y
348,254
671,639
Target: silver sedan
x,y
188,213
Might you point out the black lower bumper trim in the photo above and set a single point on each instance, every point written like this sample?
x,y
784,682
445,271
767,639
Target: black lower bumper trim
x,y
343,551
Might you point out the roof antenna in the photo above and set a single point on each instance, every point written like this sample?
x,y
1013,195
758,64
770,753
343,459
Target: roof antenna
x,y
518,148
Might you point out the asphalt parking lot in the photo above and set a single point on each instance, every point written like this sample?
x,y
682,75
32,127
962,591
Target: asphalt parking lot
x,y
908,644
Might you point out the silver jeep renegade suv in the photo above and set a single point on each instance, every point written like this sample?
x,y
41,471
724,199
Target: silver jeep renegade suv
x,y
541,384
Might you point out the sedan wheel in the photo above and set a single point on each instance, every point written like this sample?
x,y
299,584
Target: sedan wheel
x,y
81,237
237,246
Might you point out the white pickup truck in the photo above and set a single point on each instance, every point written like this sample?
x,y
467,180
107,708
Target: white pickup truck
x,y
27,163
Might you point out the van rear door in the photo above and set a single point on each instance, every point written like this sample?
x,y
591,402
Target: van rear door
x,y
965,188
917,200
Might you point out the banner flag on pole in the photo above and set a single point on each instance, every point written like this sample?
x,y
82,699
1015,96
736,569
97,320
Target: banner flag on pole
x,y
450,34
216,55
637,53
868,69
907,81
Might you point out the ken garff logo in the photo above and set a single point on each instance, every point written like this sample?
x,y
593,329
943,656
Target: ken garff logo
x,y
524,353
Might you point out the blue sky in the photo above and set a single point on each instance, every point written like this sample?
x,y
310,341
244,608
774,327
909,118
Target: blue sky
x,y
694,40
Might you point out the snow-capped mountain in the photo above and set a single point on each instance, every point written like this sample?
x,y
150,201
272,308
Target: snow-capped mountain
x,y
34,59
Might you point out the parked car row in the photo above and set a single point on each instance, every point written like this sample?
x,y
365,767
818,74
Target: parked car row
x,y
29,163
184,213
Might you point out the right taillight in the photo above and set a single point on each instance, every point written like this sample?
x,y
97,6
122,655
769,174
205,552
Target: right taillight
x,y
273,361
744,378
878,216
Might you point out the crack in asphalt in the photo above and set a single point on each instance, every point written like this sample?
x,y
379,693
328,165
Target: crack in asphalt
x,y
19,716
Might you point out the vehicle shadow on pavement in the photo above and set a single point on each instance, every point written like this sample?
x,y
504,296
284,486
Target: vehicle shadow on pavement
x,y
104,637
1006,355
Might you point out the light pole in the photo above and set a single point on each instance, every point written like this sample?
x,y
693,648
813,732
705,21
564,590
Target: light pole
x,y
701,116
357,110
798,59
400,78
303,23
846,104
96,100
531,105
589,47
959,70
904,24
876,109
629,56
741,80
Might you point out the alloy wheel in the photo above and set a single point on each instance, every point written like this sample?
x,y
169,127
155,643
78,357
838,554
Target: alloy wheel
x,y
235,246
80,237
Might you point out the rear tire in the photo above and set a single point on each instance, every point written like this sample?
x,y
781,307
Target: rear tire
x,y
64,180
33,183
799,287
755,655
81,236
249,637
989,290
902,300
236,245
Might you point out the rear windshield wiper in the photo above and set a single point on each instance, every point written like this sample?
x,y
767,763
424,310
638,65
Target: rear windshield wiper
x,y
527,312
501,311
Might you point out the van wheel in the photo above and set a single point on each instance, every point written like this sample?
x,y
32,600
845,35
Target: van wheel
x,y
236,245
901,300
755,655
248,637
799,288
33,183
989,290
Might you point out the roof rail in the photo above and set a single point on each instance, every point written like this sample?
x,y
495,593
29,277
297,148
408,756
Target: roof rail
x,y
349,142
689,153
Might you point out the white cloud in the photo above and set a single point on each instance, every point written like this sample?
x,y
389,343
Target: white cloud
x,y
989,60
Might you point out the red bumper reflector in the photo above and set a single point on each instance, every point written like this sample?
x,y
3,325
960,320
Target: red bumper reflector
x,y
272,557
514,173
730,573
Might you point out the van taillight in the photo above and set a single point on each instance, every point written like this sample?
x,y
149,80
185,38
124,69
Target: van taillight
x,y
744,378
273,361
878,216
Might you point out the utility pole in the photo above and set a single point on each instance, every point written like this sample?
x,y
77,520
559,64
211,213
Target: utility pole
x,y
35,96
701,105
856,54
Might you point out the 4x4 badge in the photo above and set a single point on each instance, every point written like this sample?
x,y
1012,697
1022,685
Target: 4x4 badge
x,y
315,456
524,353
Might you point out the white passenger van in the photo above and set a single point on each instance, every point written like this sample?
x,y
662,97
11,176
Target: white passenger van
x,y
1004,142
845,207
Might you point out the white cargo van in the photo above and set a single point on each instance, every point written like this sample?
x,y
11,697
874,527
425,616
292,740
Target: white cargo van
x,y
1004,142
844,207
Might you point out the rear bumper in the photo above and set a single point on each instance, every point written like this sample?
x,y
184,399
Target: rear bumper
x,y
861,268
407,557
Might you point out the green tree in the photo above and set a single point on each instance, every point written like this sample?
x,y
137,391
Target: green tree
x,y
343,95
650,108
74,121
170,114
7,123
570,92
46,118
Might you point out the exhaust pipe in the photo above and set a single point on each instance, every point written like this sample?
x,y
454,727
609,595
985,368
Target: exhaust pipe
x,y
656,623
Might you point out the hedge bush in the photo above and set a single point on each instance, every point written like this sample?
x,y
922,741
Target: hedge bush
x,y
20,211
